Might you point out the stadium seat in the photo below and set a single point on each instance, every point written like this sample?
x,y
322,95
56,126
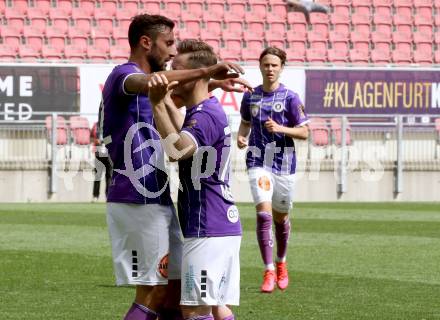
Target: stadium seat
x,y
255,30
257,45
336,127
381,41
96,54
61,24
339,18
319,132
360,18
11,36
402,56
361,44
234,30
85,7
37,23
359,56
319,18
215,43
118,53
294,18
18,8
423,56
402,40
37,12
336,55
296,53
316,56
26,53
227,55
233,45
129,8
380,56
61,129
335,37
342,28
173,9
422,37
437,39
104,25
50,53
278,12
192,25
213,10
423,3
437,56
150,7
236,10
421,19
7,53
403,3
194,9
79,128
73,52
250,55
257,12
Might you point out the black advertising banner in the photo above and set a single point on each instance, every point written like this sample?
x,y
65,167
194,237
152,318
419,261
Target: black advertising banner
x,y
25,90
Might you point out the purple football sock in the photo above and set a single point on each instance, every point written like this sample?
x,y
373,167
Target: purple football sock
x,y
282,233
231,317
264,236
206,317
139,312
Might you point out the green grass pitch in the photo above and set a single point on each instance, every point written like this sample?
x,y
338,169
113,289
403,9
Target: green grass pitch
x,y
346,261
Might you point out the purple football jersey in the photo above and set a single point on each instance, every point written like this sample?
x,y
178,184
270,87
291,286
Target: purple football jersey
x,y
206,206
139,174
274,151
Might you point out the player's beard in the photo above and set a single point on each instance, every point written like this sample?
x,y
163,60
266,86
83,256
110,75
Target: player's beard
x,y
154,63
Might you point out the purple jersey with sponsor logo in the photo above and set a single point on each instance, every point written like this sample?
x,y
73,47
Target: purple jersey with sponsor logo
x,y
274,151
133,144
206,206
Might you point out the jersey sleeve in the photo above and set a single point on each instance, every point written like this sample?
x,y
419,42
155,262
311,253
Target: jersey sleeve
x,y
245,110
120,75
296,112
201,128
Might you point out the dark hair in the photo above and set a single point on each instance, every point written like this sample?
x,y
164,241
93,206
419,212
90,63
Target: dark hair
x,y
276,52
201,54
147,25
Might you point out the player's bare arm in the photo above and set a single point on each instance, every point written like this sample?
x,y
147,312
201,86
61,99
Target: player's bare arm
x,y
138,83
243,133
178,146
301,132
230,85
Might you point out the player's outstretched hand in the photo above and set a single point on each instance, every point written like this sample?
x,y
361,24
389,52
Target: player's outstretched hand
x,y
242,142
225,70
158,87
235,85
272,126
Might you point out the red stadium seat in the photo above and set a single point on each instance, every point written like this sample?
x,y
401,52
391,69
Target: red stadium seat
x,y
250,55
255,30
360,18
402,56
236,11
319,131
7,53
422,56
227,55
73,52
96,54
61,129
402,41
18,8
336,55
359,56
79,127
257,12
61,24
296,52
336,127
150,7
233,45
173,9
294,18
404,29
234,30
278,10
361,44
403,3
318,18
437,57
423,19
381,41
34,37
11,36
194,10
52,53
79,41
422,37
215,44
423,3
212,28
316,56
340,2
119,54
28,53
362,9
380,56
256,45
37,12
86,8
213,10
358,3
342,28
437,38
338,37
129,7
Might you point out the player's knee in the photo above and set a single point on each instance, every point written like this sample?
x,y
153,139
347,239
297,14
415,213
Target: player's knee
x,y
194,311
280,218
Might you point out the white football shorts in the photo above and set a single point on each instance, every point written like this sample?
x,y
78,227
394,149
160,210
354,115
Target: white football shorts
x,y
211,271
146,243
269,187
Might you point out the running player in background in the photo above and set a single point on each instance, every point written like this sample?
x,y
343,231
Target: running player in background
x,y
306,6
143,227
273,115
208,217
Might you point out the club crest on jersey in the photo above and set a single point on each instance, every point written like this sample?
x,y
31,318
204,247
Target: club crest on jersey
x,y
254,109
278,106
233,214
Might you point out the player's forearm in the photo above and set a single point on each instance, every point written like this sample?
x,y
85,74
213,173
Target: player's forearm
x,y
175,147
296,132
244,129
138,83
175,116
